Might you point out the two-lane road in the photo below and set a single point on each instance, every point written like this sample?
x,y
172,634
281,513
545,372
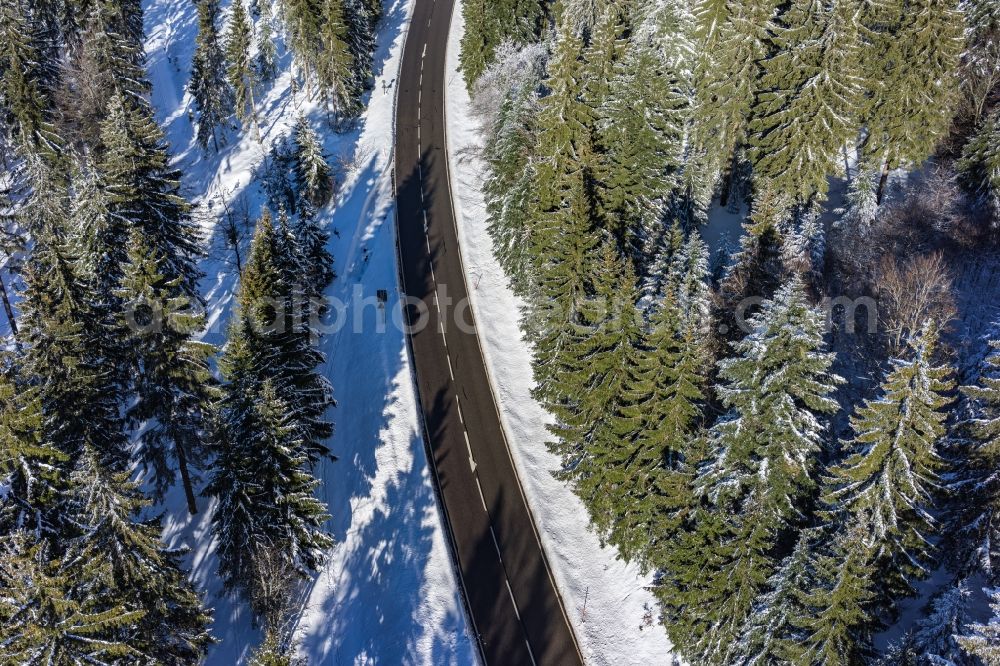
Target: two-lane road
x,y
510,595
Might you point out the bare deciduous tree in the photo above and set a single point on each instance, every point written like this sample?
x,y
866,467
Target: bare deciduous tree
x,y
912,292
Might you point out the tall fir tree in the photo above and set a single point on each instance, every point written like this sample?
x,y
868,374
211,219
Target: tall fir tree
x,y
641,129
841,610
317,261
133,567
46,620
761,476
735,40
595,429
336,75
303,20
240,70
312,172
982,640
981,60
935,636
272,298
490,23
561,234
508,151
143,192
809,98
663,403
773,633
23,79
911,53
173,382
110,64
152,613
267,511
887,485
209,85
31,466
979,168
978,523
266,60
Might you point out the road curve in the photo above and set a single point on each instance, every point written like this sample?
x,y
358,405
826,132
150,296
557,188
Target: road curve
x,y
515,609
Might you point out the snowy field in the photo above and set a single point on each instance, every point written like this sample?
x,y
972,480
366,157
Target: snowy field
x,y
612,611
388,593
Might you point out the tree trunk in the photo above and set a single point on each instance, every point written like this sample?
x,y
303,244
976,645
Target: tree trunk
x,y
253,114
186,478
8,309
727,178
881,183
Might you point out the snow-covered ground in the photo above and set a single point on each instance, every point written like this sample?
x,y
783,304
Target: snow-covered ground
x,y
608,603
388,594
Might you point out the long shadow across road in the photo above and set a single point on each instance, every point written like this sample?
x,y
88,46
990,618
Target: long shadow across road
x,y
510,595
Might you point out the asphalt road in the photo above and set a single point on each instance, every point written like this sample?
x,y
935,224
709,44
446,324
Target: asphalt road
x,y
509,592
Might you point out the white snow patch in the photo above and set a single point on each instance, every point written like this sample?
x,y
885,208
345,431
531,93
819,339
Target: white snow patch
x,y
608,601
388,593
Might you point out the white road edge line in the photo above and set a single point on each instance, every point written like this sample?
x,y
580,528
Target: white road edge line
x,y
482,498
472,461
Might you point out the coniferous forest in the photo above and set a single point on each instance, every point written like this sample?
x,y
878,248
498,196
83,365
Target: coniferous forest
x,y
757,244
104,372
793,431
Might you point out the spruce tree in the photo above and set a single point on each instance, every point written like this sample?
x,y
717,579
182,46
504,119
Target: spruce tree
x,y
887,485
560,234
149,610
936,636
136,569
595,428
212,92
144,193
773,633
762,474
266,509
111,63
665,398
979,168
911,57
272,298
312,173
271,652
641,130
977,522
64,339
490,23
841,611
981,60
266,60
734,43
23,98
335,71
982,641
44,618
317,261
777,387
362,17
809,98
240,71
303,20
174,381
30,465
508,151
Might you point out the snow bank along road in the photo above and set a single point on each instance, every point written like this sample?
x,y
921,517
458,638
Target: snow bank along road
x,y
515,608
